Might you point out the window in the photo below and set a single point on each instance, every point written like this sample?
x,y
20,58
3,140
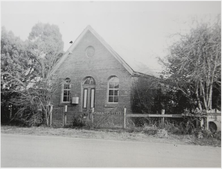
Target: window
x,y
66,89
89,81
90,51
113,90
92,98
85,94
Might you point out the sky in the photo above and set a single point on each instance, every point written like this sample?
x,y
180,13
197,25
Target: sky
x,y
140,30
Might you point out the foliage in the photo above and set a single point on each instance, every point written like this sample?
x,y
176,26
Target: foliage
x,y
150,129
194,64
110,119
151,95
45,42
13,64
79,120
144,91
25,66
186,127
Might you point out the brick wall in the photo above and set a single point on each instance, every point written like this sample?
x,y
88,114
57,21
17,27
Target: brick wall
x,y
100,66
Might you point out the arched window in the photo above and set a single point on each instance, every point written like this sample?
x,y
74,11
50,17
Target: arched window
x,y
89,81
66,90
113,90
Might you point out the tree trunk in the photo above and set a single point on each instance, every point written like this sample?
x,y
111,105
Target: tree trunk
x,y
47,118
204,95
198,99
210,97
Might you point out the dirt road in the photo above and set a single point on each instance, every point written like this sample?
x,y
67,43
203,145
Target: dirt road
x,y
53,151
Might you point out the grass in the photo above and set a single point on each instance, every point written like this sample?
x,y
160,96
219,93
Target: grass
x,y
112,134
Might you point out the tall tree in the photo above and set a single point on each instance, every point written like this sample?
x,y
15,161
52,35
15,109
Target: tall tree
x,y
25,67
45,42
13,68
194,63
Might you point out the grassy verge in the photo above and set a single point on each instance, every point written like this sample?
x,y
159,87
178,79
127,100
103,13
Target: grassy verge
x,y
111,134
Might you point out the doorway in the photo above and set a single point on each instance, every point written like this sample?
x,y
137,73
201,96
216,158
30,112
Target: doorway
x,y
88,94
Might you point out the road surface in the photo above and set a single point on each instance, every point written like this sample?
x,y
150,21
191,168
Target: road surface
x,y
52,151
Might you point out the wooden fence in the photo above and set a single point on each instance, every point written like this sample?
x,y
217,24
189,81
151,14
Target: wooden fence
x,y
207,116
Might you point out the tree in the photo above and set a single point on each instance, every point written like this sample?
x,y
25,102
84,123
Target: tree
x,y
26,65
45,42
194,63
13,69
143,94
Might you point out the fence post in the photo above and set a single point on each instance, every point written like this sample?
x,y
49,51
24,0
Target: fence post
x,y
92,114
10,112
124,118
162,112
207,122
51,108
215,116
65,117
204,120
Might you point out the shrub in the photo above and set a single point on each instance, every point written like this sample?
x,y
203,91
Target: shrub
x,y
206,134
162,133
217,135
150,129
172,128
79,120
209,134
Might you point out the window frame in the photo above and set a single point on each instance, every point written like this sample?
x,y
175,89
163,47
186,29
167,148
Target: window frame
x,y
85,96
68,90
92,98
112,89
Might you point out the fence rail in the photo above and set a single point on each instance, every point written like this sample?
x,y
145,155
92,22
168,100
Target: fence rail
x,y
155,115
206,116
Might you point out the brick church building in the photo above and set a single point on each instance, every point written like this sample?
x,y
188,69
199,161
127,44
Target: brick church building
x,y
92,75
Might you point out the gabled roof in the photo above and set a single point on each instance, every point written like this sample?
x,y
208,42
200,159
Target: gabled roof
x,y
114,53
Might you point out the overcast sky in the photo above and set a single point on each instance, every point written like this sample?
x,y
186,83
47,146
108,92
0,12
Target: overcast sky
x,y
134,29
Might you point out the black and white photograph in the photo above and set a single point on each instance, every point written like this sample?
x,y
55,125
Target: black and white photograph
x,y
110,84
